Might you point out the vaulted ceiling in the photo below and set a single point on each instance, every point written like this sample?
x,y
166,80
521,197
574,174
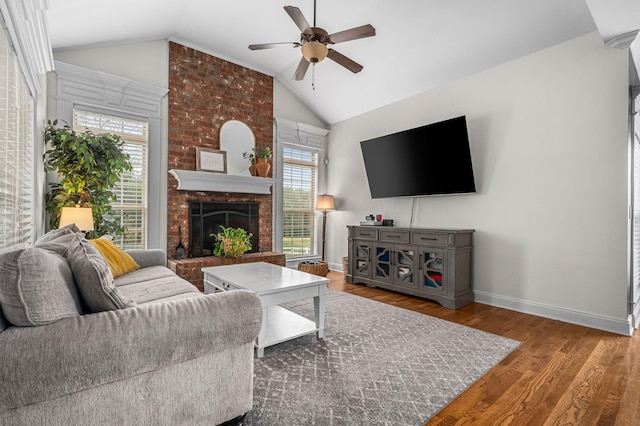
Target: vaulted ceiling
x,y
419,44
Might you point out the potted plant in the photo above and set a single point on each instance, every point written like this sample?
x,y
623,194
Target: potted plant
x,y
251,156
88,167
231,242
262,166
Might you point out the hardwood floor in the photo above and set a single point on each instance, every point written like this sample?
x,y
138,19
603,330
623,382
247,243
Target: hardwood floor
x,y
562,374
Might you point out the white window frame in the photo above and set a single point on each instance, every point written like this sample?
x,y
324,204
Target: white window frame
x,y
27,34
134,132
314,183
16,151
291,133
100,92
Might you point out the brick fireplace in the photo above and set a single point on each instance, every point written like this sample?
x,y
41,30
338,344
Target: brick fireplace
x,y
204,93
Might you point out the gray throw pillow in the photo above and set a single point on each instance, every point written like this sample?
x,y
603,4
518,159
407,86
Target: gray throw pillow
x,y
37,287
55,233
93,276
60,243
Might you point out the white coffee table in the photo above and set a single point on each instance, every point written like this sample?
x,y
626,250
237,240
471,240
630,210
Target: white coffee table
x,y
274,285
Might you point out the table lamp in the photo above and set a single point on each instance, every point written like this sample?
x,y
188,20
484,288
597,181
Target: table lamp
x,y
325,203
81,216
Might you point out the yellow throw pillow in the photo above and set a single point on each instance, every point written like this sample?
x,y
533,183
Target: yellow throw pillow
x,y
118,260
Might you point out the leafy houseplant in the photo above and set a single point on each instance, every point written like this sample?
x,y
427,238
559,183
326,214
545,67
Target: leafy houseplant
x,y
251,156
262,166
258,159
88,166
265,153
231,242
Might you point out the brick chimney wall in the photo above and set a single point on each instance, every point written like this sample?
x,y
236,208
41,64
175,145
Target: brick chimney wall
x,y
204,93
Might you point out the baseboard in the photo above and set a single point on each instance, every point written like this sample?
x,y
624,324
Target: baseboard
x,y
335,266
612,325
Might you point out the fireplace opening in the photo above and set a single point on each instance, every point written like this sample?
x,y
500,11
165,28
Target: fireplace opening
x,y
205,218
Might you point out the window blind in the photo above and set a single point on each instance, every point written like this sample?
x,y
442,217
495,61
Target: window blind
x,y
16,151
299,194
131,192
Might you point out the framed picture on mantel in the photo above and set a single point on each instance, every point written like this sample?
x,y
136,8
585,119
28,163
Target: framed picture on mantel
x,y
211,160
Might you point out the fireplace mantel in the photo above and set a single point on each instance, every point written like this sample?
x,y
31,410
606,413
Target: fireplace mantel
x,y
189,180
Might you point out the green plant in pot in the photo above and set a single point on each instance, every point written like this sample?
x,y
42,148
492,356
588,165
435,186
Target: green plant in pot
x,y
265,153
88,168
231,242
251,156
262,165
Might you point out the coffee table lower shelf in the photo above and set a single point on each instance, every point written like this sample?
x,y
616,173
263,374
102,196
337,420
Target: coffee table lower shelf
x,y
275,286
283,325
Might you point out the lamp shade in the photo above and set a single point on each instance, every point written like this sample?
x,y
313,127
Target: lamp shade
x,y
81,216
325,203
314,51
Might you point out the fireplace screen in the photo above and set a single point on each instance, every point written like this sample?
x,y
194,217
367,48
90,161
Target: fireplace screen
x,y
206,217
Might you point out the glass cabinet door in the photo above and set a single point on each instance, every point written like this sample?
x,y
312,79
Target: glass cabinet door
x,y
405,266
362,260
433,267
383,261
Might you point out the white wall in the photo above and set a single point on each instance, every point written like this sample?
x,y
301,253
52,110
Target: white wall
x,y
548,136
288,106
146,62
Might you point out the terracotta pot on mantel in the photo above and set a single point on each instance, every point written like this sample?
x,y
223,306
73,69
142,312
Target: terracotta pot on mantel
x,y
263,167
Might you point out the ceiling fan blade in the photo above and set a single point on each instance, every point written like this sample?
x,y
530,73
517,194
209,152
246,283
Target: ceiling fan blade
x,y
301,70
273,45
349,64
299,19
353,34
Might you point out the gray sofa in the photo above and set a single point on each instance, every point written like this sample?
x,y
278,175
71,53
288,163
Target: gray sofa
x,y
169,355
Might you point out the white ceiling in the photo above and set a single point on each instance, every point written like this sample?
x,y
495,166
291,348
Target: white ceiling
x,y
419,44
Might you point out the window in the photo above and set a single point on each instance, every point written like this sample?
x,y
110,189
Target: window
x,y
299,194
131,192
16,151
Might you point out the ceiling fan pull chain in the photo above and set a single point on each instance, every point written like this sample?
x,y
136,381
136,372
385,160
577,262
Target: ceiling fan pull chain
x,y
313,76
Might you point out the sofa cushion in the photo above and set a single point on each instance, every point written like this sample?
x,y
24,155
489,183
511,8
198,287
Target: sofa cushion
x,y
144,274
93,277
154,284
117,259
174,297
4,323
37,287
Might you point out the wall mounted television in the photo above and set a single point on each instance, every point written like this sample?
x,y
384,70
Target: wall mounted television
x,y
430,160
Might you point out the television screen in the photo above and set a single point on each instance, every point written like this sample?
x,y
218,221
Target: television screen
x,y
430,160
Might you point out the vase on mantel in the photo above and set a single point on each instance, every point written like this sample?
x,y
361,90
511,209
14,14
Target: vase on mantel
x,y
263,167
252,169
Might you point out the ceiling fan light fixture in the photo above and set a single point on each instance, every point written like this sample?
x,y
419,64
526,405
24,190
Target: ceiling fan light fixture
x,y
314,51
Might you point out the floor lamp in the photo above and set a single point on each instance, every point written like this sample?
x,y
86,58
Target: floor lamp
x,y
325,203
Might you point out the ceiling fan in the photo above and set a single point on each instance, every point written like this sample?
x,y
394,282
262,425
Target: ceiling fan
x,y
314,42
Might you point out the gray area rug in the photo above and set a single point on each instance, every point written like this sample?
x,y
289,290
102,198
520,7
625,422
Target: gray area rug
x,y
377,365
